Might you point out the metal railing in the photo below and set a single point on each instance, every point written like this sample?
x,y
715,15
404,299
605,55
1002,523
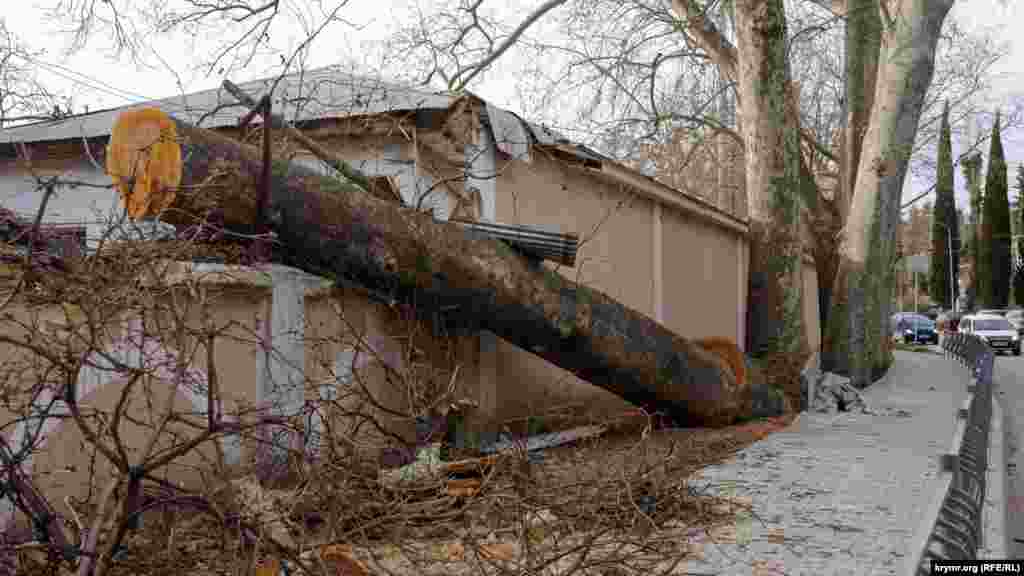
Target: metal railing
x,y
952,527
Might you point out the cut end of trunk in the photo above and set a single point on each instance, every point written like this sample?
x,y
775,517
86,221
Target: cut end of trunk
x,y
144,160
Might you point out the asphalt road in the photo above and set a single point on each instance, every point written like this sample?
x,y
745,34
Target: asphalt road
x,y
1009,377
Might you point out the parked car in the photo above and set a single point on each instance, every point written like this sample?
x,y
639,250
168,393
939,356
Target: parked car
x,y
995,330
913,328
992,312
1016,317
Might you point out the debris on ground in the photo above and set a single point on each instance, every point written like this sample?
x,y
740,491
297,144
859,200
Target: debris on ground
x,y
544,441
834,393
621,491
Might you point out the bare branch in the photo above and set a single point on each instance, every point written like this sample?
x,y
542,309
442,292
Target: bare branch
x,y
463,77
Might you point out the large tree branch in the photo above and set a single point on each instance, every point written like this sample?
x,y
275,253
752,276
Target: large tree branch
x,y
703,31
698,27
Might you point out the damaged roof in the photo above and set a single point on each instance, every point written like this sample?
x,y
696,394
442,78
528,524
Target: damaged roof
x,y
331,92
308,95
316,94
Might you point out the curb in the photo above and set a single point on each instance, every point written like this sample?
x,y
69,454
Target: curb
x,y
993,535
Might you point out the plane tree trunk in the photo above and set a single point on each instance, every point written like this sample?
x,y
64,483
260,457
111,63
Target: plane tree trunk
x,y
772,166
776,180
906,63
332,228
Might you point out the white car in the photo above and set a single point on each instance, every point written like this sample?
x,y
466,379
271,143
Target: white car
x,y
995,330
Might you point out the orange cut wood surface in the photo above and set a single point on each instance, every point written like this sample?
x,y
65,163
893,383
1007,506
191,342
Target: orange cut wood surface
x,y
729,352
144,160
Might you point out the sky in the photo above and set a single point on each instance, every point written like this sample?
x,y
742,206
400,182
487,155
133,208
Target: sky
x,y
97,80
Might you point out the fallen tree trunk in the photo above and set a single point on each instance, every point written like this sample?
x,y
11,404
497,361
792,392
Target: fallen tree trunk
x,y
332,228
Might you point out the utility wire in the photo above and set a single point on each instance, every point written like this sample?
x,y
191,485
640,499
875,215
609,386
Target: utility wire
x,y
86,80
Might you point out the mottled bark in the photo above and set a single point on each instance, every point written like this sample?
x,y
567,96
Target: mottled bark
x,y
772,161
333,229
770,128
906,65
863,42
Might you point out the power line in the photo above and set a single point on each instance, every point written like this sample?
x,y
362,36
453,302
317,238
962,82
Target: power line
x,y
90,82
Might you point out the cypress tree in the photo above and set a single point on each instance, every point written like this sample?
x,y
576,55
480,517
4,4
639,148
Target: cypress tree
x,y
972,174
996,225
1020,209
945,232
1018,278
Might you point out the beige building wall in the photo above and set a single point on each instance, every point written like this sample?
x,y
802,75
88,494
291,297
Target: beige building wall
x,y
69,464
703,287
677,268
615,257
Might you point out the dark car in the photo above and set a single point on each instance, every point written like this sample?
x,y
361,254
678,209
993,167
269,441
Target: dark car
x,y
914,329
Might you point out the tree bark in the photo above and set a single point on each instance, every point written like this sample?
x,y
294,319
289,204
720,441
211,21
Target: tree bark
x,y
770,129
772,166
863,38
334,229
906,66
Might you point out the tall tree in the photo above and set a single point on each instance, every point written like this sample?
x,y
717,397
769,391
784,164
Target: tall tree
x,y
945,233
770,126
1018,264
863,49
1020,213
996,226
906,64
972,174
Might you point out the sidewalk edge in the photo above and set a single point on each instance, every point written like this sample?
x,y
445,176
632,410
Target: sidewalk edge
x,y
994,537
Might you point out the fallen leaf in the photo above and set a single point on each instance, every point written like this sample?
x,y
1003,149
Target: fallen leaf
x,y
341,558
453,551
499,551
462,487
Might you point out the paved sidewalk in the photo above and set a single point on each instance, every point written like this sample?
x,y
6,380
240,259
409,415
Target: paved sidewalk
x,y
839,494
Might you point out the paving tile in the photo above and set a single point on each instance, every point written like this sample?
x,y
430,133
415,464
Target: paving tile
x,y
842,493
